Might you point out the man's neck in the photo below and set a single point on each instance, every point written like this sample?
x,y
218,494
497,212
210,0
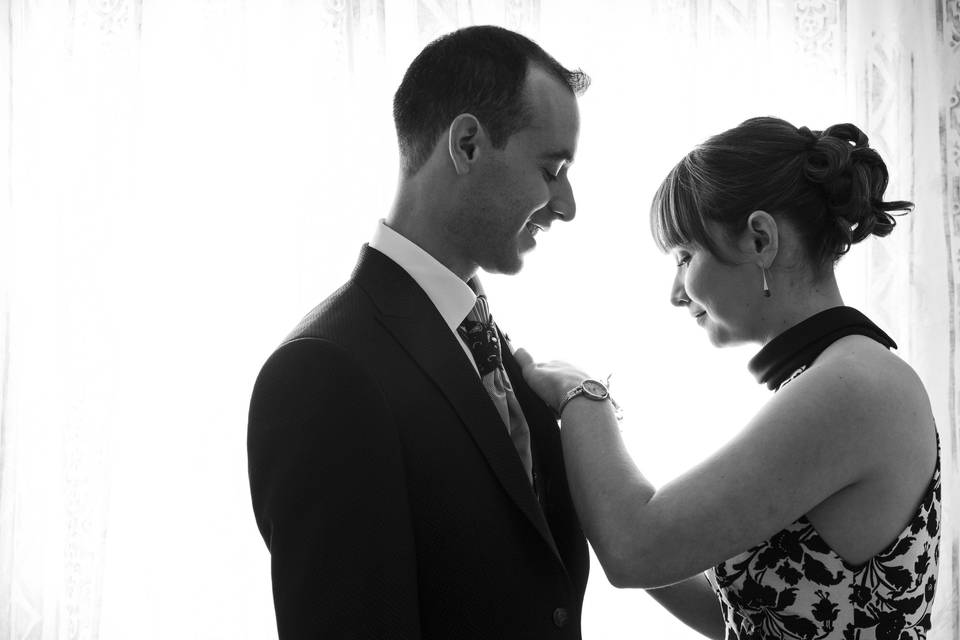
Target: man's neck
x,y
423,227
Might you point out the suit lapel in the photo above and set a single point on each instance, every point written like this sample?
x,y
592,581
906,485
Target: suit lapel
x,y
540,418
408,314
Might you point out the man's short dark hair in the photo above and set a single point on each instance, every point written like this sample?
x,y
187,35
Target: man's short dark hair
x,y
479,70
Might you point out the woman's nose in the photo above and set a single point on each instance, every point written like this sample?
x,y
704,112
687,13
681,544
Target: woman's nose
x,y
678,294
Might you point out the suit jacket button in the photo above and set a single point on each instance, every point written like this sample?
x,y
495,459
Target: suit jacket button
x,y
560,617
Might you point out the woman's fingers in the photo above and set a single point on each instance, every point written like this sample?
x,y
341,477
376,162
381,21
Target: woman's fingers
x,y
549,380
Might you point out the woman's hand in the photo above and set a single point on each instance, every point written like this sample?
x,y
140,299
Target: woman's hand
x,y
550,380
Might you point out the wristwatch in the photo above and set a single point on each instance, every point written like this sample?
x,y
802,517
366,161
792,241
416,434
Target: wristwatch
x,y
593,390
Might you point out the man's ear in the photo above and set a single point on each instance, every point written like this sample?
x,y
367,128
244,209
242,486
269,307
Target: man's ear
x,y
463,140
761,240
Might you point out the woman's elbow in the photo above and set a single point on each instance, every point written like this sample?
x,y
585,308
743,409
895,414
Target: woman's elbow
x,y
629,568
630,578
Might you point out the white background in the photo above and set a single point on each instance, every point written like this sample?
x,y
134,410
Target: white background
x,y
189,178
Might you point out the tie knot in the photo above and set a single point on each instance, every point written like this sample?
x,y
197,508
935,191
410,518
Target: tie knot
x,y
480,311
480,334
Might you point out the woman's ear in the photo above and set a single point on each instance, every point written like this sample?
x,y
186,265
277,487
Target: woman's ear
x,y
462,142
761,240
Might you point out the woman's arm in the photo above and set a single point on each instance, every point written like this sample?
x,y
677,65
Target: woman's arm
x,y
829,429
694,603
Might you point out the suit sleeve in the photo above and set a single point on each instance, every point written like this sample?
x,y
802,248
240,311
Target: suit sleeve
x,y
329,495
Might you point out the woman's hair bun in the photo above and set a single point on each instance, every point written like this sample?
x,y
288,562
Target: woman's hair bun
x,y
828,185
853,178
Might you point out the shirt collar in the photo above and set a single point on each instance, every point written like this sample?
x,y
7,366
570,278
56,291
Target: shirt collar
x,y
452,297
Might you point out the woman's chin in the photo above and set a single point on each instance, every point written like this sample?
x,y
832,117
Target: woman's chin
x,y
722,337
716,340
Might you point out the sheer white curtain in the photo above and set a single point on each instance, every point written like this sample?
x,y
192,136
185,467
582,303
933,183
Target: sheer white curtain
x,y
903,77
184,179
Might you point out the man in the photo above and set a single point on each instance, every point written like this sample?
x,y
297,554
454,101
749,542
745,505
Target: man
x,y
406,485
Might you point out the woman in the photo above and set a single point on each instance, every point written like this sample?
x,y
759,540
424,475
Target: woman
x,y
820,519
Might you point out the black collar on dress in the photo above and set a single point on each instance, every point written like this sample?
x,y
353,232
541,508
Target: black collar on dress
x,y
800,345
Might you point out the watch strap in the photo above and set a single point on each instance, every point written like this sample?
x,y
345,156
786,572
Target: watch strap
x,y
573,393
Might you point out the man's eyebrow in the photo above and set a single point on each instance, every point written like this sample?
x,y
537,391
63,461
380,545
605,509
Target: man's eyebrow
x,y
561,154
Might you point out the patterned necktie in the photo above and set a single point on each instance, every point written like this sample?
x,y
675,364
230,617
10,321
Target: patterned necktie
x,y
479,332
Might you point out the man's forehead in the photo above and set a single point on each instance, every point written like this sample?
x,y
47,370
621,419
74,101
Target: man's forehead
x,y
539,80
555,120
548,95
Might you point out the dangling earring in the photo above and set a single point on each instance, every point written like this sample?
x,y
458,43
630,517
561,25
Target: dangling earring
x,y
766,287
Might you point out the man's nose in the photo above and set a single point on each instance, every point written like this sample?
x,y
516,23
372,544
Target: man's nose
x,y
562,202
678,294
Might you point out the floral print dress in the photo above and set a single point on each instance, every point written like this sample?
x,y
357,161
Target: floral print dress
x,y
794,586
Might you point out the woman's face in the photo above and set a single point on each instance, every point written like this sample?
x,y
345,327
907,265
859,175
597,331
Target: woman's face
x,y
722,298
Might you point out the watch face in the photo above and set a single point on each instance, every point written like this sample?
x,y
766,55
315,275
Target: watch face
x,y
594,389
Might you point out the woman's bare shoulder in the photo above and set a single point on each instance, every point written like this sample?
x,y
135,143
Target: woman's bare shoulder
x,y
883,389
871,368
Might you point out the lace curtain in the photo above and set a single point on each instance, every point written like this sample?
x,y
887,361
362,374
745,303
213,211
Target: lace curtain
x,y
185,178
904,78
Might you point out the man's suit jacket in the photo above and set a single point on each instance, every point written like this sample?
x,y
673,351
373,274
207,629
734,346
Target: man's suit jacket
x,y
387,488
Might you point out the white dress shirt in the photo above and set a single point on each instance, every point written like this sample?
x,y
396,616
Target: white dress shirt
x,y
452,297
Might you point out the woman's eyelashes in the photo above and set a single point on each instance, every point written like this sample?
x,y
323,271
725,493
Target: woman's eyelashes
x,y
683,260
549,176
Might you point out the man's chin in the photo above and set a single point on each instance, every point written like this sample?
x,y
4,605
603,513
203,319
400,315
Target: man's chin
x,y
506,265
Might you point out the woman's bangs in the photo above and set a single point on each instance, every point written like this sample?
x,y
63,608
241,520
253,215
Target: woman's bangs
x,y
674,220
